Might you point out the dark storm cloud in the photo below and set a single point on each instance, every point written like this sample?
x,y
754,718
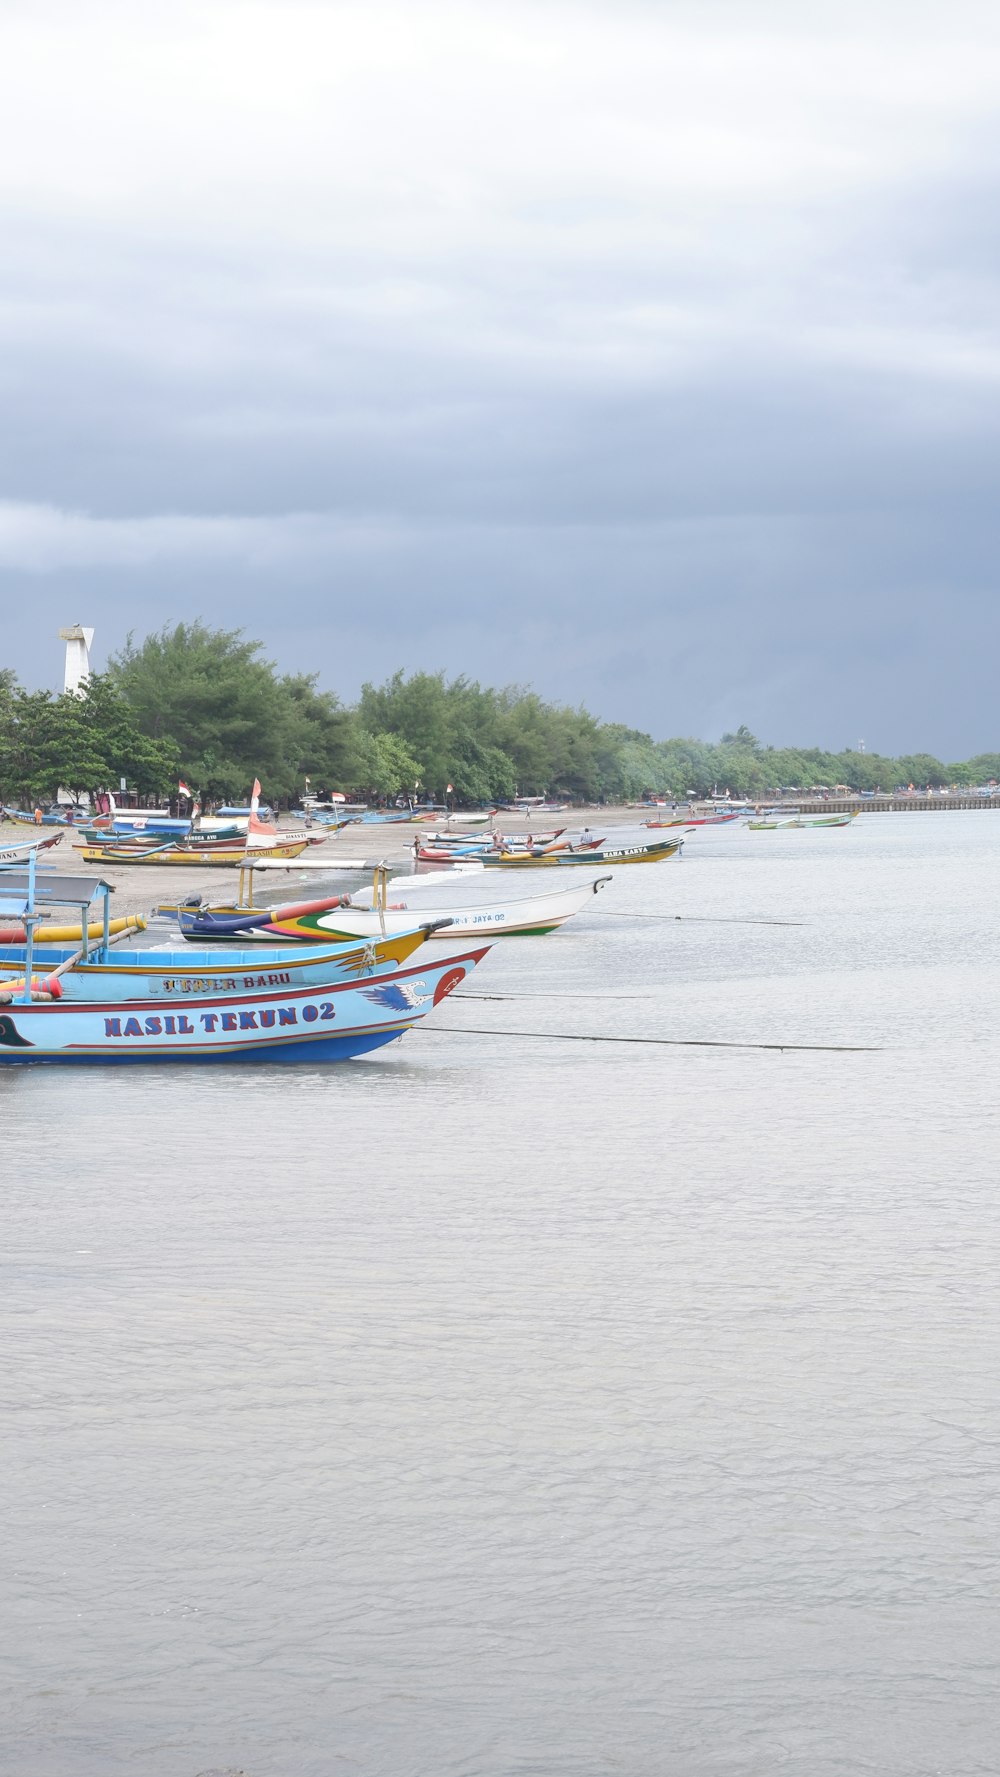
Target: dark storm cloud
x,y
676,397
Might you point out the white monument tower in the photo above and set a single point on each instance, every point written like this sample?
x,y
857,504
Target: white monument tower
x,y
78,642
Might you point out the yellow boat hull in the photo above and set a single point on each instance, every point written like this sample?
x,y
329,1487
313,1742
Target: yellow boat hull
x,y
370,957
46,934
73,934
112,856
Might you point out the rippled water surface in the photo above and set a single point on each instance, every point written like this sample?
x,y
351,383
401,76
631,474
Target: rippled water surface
x,y
508,1404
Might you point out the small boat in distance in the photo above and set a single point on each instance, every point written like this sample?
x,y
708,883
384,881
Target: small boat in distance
x,y
656,852
198,857
703,820
832,820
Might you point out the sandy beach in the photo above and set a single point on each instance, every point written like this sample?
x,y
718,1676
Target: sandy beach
x,y
140,887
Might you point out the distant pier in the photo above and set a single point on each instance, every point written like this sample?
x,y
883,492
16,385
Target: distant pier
x,y
885,804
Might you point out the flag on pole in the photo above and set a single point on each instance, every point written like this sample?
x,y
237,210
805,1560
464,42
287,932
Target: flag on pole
x,y
259,832
182,786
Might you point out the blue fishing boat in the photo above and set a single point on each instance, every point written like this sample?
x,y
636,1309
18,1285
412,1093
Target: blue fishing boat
x,y
283,1023
52,817
212,1006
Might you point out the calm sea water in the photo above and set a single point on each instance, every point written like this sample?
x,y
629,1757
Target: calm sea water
x,y
510,1405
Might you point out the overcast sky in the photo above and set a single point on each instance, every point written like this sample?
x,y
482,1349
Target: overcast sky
x,y
645,351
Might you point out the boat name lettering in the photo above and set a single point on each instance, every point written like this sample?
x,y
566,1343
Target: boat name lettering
x,y
224,983
178,1024
171,1025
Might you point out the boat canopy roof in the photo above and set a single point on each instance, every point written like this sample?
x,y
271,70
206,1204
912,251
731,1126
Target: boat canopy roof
x,y
22,890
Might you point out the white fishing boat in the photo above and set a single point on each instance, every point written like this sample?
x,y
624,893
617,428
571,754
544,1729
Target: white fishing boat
x,y
529,915
18,851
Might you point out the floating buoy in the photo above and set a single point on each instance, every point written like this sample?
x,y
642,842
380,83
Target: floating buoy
x,y
43,987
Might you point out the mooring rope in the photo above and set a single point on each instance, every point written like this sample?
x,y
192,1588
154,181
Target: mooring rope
x,y
700,919
559,1036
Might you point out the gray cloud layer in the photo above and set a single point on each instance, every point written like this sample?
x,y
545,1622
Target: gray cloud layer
x,y
649,353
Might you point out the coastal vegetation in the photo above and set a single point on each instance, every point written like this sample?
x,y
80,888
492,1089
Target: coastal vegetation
x,y
207,706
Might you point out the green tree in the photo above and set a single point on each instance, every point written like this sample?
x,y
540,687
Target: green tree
x,y
389,769
210,692
919,769
78,743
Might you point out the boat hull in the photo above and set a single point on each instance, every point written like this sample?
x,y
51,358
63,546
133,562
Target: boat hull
x,y
709,820
19,817
330,1023
529,916
843,820
199,858
621,854
20,850
188,974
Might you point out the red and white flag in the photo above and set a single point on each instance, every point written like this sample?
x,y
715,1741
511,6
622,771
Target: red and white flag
x,y
182,786
259,832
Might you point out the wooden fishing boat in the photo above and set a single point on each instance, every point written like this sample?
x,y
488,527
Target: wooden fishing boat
x,y
442,854
531,915
704,820
832,820
188,974
438,853
229,838
277,1022
470,842
18,851
196,857
90,973
329,824
53,817
150,822
654,853
221,1005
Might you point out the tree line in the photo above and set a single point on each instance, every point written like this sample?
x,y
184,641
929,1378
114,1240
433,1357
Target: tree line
x,y
206,706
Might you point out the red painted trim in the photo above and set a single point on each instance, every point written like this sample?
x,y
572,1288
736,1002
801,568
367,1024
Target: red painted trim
x,y
183,1001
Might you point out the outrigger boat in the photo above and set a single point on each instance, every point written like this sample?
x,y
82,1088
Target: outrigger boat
x,y
22,817
198,857
228,836
339,918
656,852
445,852
162,973
261,837
488,841
703,820
832,820
270,1004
